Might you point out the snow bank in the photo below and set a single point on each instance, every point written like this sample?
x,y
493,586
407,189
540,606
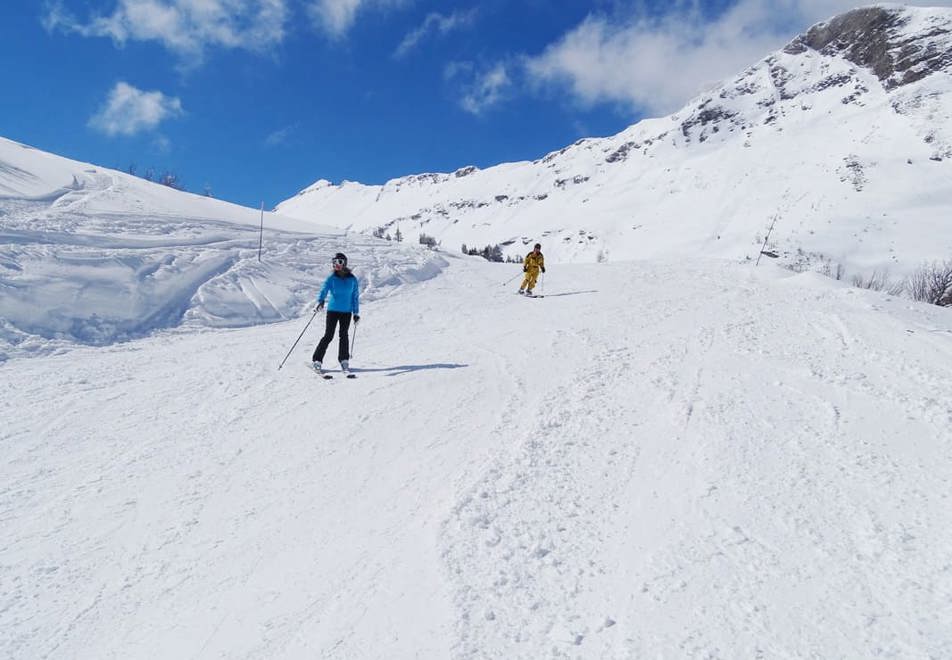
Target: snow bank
x,y
95,256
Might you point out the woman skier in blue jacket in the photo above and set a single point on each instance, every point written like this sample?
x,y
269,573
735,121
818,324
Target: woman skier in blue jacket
x,y
344,290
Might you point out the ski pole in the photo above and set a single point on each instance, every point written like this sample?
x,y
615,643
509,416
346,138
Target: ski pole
x,y
316,309
511,279
543,284
353,340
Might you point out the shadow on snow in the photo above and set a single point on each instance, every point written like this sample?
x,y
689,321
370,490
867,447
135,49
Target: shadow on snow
x,y
569,293
408,368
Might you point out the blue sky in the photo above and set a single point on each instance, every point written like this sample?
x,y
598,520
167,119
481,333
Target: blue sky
x,y
256,99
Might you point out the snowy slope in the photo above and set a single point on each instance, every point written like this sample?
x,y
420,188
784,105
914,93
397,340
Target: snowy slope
x,y
664,458
653,461
93,255
844,136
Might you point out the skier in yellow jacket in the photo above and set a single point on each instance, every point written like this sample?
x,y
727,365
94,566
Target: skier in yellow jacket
x,y
531,265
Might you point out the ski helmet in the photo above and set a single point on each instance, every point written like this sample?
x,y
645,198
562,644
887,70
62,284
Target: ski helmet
x,y
340,258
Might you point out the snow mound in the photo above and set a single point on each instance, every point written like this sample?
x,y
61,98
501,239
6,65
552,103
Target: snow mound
x,y
95,256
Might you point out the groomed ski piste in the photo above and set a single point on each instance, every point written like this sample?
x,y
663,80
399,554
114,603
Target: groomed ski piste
x,y
677,458
657,460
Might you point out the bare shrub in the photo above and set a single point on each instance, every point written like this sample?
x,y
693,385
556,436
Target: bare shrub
x,y
171,179
932,283
877,281
165,177
831,269
896,288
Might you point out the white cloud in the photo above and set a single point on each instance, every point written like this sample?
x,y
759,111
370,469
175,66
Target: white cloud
x,y
455,69
487,90
656,65
185,27
128,111
336,17
480,89
161,144
438,23
280,136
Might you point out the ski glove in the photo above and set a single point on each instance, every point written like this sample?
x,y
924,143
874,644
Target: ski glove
x,y
525,270
356,318
543,270
320,305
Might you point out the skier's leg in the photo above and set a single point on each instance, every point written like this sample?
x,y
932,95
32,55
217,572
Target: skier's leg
x,y
326,339
343,348
531,278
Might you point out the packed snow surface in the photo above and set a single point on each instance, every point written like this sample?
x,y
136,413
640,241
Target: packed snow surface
x,y
657,459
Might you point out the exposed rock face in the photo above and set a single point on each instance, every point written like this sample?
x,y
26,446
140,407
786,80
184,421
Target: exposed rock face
x,y
873,38
846,56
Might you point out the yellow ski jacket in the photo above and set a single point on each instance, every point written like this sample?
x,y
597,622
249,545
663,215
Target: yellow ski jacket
x,y
533,262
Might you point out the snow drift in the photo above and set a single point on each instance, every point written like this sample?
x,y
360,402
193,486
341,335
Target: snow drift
x,y
95,256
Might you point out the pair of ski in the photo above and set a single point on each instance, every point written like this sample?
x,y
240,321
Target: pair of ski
x,y
530,295
326,376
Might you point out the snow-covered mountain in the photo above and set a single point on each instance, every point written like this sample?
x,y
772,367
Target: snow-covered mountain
x,y
842,140
94,255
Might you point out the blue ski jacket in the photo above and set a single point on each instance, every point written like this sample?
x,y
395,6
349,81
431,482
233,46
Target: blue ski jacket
x,y
345,293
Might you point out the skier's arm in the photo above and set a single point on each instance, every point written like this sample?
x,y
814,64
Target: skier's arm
x,y
324,289
356,299
542,263
525,263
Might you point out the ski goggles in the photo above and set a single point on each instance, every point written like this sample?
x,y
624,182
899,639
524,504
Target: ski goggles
x,y
337,261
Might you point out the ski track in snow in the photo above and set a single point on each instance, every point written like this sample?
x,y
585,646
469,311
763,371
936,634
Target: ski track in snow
x,y
648,509
665,460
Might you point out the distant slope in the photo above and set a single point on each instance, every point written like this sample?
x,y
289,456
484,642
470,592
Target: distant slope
x,y
92,255
844,136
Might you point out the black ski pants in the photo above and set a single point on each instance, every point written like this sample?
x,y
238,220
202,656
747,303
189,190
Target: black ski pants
x,y
343,348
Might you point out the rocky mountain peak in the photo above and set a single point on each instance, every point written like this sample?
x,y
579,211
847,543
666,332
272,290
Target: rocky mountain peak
x,y
888,40
847,131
